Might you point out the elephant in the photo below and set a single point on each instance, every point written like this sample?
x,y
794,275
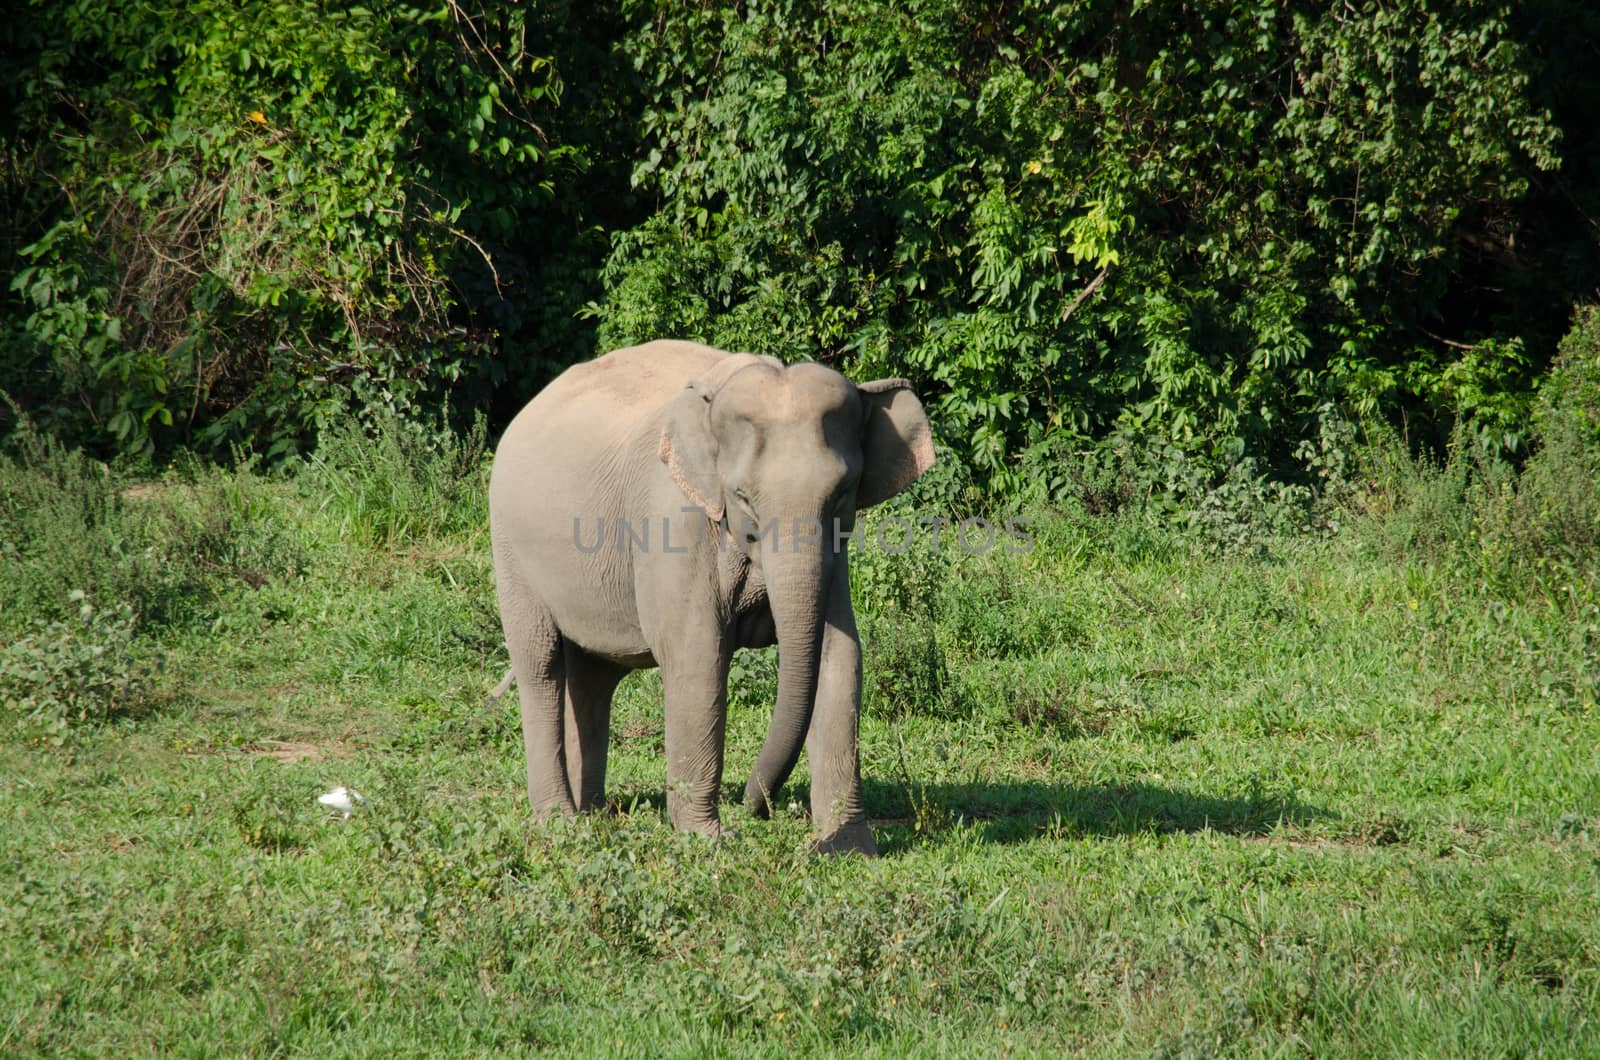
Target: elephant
x,y
665,505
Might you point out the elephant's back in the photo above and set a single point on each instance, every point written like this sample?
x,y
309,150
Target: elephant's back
x,y
642,378
598,407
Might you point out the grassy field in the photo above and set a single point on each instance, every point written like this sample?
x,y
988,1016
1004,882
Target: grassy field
x,y
1137,794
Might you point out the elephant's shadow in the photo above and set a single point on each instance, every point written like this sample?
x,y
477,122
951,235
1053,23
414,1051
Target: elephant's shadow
x,y
905,816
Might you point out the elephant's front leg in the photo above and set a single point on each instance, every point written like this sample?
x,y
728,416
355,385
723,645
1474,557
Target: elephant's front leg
x,y
694,675
838,810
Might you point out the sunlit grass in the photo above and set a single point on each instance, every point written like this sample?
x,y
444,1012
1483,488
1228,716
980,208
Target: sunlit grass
x,y
1134,798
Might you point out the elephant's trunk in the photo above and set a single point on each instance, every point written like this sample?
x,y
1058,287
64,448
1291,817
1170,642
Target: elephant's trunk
x,y
797,582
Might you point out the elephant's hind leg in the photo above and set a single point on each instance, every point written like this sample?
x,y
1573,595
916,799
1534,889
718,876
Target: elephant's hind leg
x,y
538,662
586,707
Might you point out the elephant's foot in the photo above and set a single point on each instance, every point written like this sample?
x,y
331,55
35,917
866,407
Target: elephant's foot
x,y
853,838
688,819
758,801
710,829
551,807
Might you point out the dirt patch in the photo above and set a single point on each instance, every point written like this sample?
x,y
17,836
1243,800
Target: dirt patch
x,y
1312,845
118,843
290,751
640,729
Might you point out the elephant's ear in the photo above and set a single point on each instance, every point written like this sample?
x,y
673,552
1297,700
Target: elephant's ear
x,y
688,445
896,443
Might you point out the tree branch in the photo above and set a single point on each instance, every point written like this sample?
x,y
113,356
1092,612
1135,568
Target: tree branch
x,y
1083,296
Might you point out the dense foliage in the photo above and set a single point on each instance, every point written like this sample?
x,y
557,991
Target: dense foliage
x,y
1202,222
231,221
1218,228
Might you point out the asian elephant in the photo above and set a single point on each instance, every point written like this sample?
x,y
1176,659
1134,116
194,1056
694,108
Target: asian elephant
x,y
665,505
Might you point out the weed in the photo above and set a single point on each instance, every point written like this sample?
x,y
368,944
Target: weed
x,y
169,548
395,480
753,679
79,672
904,671
270,816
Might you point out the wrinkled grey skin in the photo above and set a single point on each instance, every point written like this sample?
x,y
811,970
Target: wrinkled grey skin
x,y
712,443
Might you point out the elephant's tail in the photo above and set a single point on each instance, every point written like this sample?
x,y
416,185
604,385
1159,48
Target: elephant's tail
x,y
495,696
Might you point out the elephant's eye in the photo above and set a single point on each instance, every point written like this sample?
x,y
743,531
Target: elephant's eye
x,y
742,495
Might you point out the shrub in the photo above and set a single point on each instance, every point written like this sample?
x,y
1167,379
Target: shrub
x,y
903,669
272,814
1545,520
1235,505
1568,407
753,679
897,584
891,570
994,611
1533,528
81,672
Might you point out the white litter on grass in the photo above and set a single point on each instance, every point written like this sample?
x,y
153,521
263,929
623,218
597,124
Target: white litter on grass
x,y
343,799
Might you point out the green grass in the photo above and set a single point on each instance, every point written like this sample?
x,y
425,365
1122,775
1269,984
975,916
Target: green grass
x,y
1335,797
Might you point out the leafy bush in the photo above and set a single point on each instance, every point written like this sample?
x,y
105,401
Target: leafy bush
x,y
1518,530
1071,224
68,674
899,560
271,816
904,672
753,679
1240,505
899,565
993,616
1567,412
1546,521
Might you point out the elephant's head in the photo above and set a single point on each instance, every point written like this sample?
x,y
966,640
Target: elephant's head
x,y
784,456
